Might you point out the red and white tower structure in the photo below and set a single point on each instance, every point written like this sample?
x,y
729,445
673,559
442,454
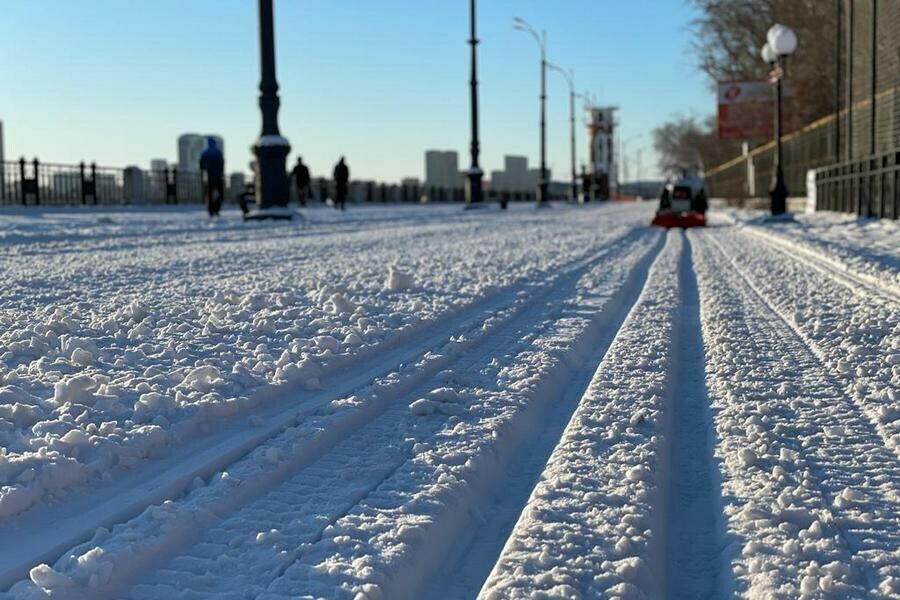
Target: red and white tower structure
x,y
603,168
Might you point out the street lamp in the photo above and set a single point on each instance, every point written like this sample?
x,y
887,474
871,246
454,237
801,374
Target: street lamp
x,y
570,78
271,149
780,43
623,153
474,192
541,39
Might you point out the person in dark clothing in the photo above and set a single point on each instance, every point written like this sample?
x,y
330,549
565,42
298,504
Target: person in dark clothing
x,y
341,181
300,173
212,164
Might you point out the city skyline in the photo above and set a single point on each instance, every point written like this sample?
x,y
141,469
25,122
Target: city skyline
x,y
339,93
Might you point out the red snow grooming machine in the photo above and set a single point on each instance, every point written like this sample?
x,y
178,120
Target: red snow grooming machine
x,y
684,220
682,203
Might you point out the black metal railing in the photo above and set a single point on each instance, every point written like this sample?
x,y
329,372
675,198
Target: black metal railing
x,y
31,183
869,187
36,183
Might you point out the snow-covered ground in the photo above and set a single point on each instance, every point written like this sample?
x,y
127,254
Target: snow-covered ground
x,y
420,401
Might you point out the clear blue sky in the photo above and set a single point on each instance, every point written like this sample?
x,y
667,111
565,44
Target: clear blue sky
x,y
381,81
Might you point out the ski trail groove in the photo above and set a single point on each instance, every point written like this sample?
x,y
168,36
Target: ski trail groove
x,y
313,512
407,527
694,521
472,557
812,348
204,457
844,479
594,525
829,266
497,336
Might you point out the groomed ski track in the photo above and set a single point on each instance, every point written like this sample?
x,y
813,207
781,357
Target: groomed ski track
x,y
666,416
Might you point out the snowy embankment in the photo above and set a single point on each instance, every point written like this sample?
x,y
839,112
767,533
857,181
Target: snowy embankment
x,y
852,245
811,490
368,494
120,341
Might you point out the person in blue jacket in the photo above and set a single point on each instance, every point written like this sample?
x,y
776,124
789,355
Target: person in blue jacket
x,y
212,164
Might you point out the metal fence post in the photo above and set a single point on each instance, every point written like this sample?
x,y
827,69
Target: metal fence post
x,y
37,181
874,131
94,182
22,179
850,36
896,208
81,179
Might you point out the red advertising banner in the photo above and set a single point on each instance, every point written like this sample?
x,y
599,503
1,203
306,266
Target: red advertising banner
x,y
746,111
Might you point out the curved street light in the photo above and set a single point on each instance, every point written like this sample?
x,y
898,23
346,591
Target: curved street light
x,y
781,42
541,39
570,79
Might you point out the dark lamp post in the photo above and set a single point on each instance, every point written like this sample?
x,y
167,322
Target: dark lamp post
x,y
474,190
781,43
271,149
541,39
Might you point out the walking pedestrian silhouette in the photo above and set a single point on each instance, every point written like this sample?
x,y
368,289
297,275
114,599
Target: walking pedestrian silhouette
x,y
300,173
212,165
341,182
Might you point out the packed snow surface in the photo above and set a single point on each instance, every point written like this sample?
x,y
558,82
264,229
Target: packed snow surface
x,y
420,401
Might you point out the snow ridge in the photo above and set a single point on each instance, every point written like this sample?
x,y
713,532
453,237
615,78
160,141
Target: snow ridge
x,y
591,526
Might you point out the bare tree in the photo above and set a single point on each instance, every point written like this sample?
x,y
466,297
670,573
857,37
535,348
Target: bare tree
x,y
686,142
728,37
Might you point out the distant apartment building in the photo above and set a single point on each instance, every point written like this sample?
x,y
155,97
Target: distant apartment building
x,y
158,164
236,183
191,146
442,169
68,184
516,176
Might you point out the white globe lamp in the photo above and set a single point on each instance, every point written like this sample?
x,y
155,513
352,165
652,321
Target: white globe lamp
x,y
782,40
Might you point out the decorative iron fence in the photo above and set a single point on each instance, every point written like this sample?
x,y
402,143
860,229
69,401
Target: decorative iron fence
x,y
869,187
751,175
36,183
29,183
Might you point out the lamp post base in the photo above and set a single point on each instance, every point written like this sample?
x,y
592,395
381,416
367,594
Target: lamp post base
x,y
474,189
273,186
543,194
778,195
270,214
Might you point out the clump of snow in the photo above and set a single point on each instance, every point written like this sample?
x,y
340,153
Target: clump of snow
x,y
423,407
398,280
